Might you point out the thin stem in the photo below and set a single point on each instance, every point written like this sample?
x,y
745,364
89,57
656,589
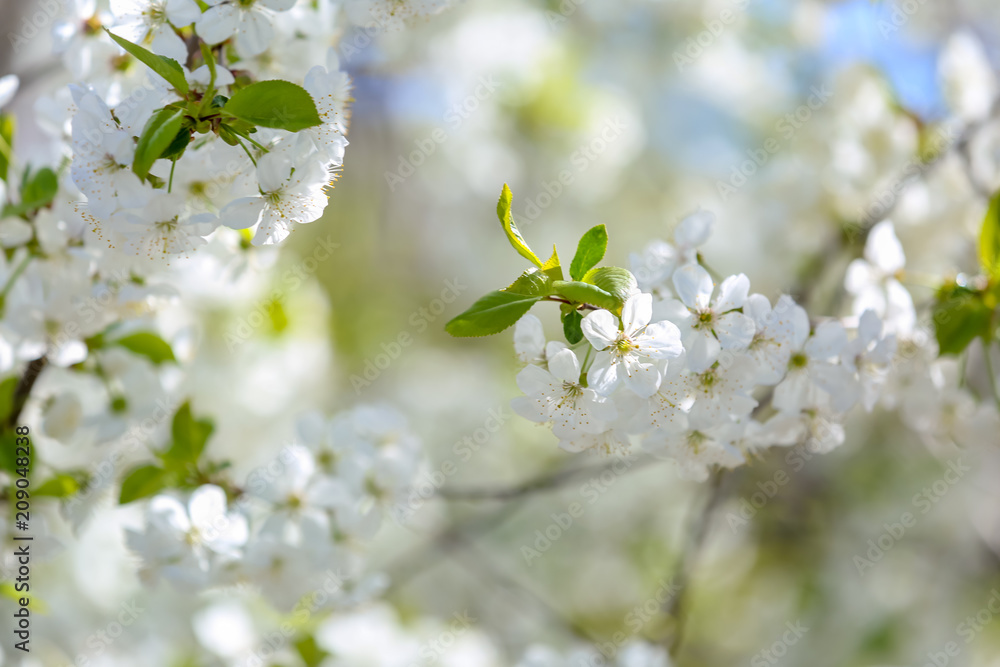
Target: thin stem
x,y
676,607
23,389
170,183
13,277
993,376
249,154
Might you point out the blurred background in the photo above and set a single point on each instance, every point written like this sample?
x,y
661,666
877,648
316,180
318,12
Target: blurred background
x,y
632,114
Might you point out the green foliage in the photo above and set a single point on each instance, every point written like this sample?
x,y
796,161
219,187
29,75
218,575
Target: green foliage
x,y
960,316
989,240
310,652
605,287
510,229
581,292
157,136
491,314
168,68
616,281
531,283
189,437
589,252
7,388
59,486
571,326
6,143
278,104
143,482
38,189
149,345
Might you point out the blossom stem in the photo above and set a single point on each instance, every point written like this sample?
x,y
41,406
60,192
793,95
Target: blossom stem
x,y
23,389
987,349
13,279
170,183
249,154
676,607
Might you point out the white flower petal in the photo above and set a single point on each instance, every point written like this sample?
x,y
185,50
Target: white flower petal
x,y
601,328
694,286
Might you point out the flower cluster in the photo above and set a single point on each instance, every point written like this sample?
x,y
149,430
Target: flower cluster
x,y
302,515
701,371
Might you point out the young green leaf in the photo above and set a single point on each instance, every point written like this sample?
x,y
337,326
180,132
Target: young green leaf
x,y
143,482
189,437
7,389
168,68
149,345
530,283
615,280
960,317
571,326
6,142
552,268
159,133
589,252
60,486
278,104
580,292
37,191
510,229
491,314
989,240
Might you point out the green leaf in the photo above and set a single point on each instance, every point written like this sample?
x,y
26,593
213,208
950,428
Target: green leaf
x,y
168,68
571,326
989,240
149,345
310,652
7,388
37,191
580,292
60,486
531,283
491,314
142,482
278,104
618,282
589,252
6,142
158,134
960,316
551,267
510,229
189,437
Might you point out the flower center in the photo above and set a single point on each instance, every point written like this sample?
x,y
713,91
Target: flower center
x,y
798,360
704,319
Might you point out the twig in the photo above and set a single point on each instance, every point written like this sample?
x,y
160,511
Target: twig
x,y
676,606
23,389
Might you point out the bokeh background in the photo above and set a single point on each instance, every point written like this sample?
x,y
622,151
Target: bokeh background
x,y
647,106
